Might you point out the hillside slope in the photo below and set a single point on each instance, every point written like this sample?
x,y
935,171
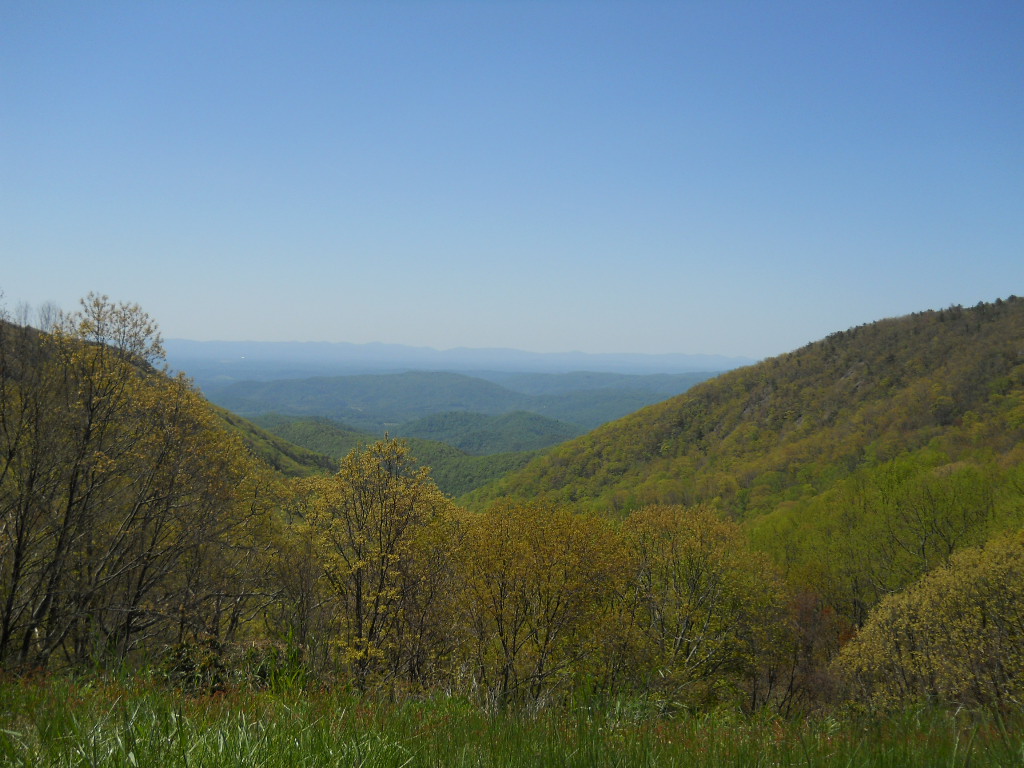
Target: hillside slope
x,y
455,471
285,456
790,427
482,434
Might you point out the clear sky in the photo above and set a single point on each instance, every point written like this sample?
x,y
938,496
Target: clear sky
x,y
737,178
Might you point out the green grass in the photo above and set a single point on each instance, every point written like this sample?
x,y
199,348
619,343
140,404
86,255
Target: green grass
x,y
63,723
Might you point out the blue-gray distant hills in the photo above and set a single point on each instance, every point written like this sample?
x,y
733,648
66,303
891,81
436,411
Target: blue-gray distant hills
x,y
482,401
388,402
213,363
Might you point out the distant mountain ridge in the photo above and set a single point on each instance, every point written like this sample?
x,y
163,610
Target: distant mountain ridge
x,y
222,362
383,402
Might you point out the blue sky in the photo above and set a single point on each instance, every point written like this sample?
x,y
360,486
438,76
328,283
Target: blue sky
x,y
737,178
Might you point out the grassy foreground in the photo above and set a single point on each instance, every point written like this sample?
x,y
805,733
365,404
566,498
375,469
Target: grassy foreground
x,y
63,723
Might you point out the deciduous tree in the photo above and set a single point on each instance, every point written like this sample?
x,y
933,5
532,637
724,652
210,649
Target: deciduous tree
x,y
955,636
538,580
708,609
381,564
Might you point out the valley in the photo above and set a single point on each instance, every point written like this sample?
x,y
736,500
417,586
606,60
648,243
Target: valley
x,y
468,429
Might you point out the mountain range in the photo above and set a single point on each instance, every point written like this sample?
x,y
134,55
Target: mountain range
x,y
217,363
377,403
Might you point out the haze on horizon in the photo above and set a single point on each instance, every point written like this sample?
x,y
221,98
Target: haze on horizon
x,y
727,178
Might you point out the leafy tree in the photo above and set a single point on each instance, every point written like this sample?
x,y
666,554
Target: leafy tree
x,y
708,610
380,563
538,582
955,636
880,529
117,494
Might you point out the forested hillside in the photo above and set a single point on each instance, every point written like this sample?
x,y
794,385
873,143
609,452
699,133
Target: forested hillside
x,y
287,457
788,428
469,430
455,471
838,525
863,464
482,434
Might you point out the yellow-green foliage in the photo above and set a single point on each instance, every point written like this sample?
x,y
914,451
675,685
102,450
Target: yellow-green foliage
x,y
708,612
674,605
787,428
130,518
956,636
537,583
880,529
133,522
371,529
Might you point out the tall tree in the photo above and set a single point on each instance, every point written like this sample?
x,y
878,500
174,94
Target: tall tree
x,y
117,490
537,583
371,525
709,611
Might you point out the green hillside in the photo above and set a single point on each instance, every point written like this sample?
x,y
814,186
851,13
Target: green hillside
x,y
861,463
591,408
481,434
455,471
287,457
320,435
838,526
472,433
790,427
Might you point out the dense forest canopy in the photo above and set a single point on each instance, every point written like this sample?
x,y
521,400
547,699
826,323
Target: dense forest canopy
x,y
455,471
788,428
777,536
